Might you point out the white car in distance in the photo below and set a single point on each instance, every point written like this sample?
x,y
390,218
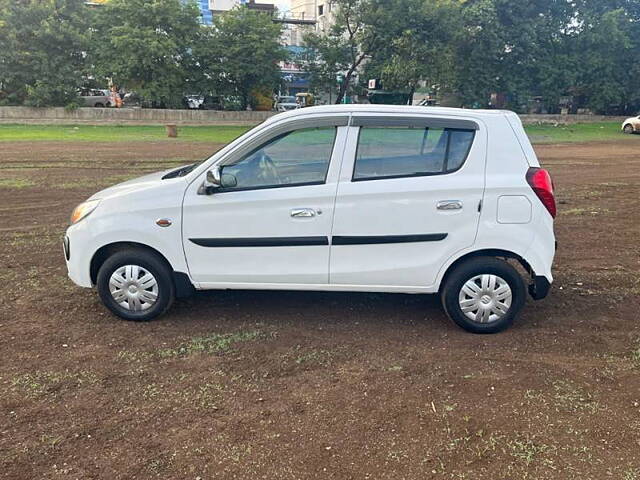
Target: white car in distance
x,y
367,198
631,125
286,103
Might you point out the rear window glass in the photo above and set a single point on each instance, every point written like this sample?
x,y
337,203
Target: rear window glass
x,y
391,152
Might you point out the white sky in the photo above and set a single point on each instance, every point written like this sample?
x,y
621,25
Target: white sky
x,y
283,5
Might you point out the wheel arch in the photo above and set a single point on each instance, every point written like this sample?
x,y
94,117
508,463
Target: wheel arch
x,y
488,252
181,280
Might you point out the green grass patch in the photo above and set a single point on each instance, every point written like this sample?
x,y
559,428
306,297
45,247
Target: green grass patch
x,y
210,344
214,343
117,133
43,383
579,132
206,395
16,183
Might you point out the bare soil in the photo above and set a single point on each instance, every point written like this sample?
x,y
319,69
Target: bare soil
x,y
294,385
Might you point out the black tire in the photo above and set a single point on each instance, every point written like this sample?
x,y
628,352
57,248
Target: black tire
x,y
148,262
628,128
99,105
456,279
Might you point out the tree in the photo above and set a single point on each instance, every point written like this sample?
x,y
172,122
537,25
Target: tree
x,y
514,46
419,44
324,58
355,36
240,54
146,46
43,51
608,47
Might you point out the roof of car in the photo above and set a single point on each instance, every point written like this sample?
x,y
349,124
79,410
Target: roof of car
x,y
374,108
391,109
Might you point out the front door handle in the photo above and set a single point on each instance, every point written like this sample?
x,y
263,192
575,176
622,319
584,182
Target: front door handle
x,y
303,212
449,205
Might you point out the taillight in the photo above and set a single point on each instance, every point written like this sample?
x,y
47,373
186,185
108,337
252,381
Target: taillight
x,y
540,182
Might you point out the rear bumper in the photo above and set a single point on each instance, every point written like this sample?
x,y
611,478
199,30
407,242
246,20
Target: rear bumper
x,y
540,287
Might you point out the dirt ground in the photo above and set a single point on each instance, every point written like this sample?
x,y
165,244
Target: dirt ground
x,y
289,385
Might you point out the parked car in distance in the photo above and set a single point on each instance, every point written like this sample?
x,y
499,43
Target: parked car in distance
x,y
631,125
132,99
363,198
428,102
95,97
286,103
382,97
203,102
192,102
212,102
305,99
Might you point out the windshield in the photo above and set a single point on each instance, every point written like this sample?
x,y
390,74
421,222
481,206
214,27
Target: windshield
x,y
287,100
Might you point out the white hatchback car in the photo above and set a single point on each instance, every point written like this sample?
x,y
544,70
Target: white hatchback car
x,y
367,198
631,125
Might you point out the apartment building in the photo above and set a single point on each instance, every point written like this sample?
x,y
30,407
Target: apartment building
x,y
318,13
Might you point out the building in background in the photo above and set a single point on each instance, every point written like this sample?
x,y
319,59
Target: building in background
x,y
220,6
319,14
206,17
294,79
304,16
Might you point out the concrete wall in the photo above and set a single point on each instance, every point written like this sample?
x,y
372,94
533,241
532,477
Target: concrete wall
x,y
147,116
130,116
532,119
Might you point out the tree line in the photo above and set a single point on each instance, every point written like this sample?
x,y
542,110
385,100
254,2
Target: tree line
x,y
585,51
548,50
157,48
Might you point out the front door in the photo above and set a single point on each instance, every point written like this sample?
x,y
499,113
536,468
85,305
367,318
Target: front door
x,y
408,199
272,228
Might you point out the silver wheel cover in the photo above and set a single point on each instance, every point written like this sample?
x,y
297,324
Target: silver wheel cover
x,y
134,288
485,298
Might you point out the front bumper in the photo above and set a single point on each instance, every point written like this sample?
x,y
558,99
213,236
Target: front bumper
x,y
66,247
77,264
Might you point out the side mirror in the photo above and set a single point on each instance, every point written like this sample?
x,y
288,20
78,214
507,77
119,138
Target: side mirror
x,y
215,180
228,181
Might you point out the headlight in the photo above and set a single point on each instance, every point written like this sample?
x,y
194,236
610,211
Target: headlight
x,y
83,210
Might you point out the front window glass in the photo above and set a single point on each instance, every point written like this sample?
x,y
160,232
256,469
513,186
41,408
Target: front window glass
x,y
300,157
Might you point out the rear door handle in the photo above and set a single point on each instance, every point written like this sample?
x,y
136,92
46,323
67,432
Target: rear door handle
x,y
449,205
303,212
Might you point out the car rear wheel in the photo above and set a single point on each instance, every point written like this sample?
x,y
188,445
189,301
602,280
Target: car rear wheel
x,y
483,295
136,285
628,128
99,105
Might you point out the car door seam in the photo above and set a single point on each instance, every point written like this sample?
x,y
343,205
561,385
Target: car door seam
x,y
345,141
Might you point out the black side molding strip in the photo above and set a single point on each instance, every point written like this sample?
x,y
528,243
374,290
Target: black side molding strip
x,y
261,242
366,240
309,241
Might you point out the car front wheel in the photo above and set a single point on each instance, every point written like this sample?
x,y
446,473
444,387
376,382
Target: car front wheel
x,y
136,285
628,128
483,295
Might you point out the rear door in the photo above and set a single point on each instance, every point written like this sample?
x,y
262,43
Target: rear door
x,y
408,199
